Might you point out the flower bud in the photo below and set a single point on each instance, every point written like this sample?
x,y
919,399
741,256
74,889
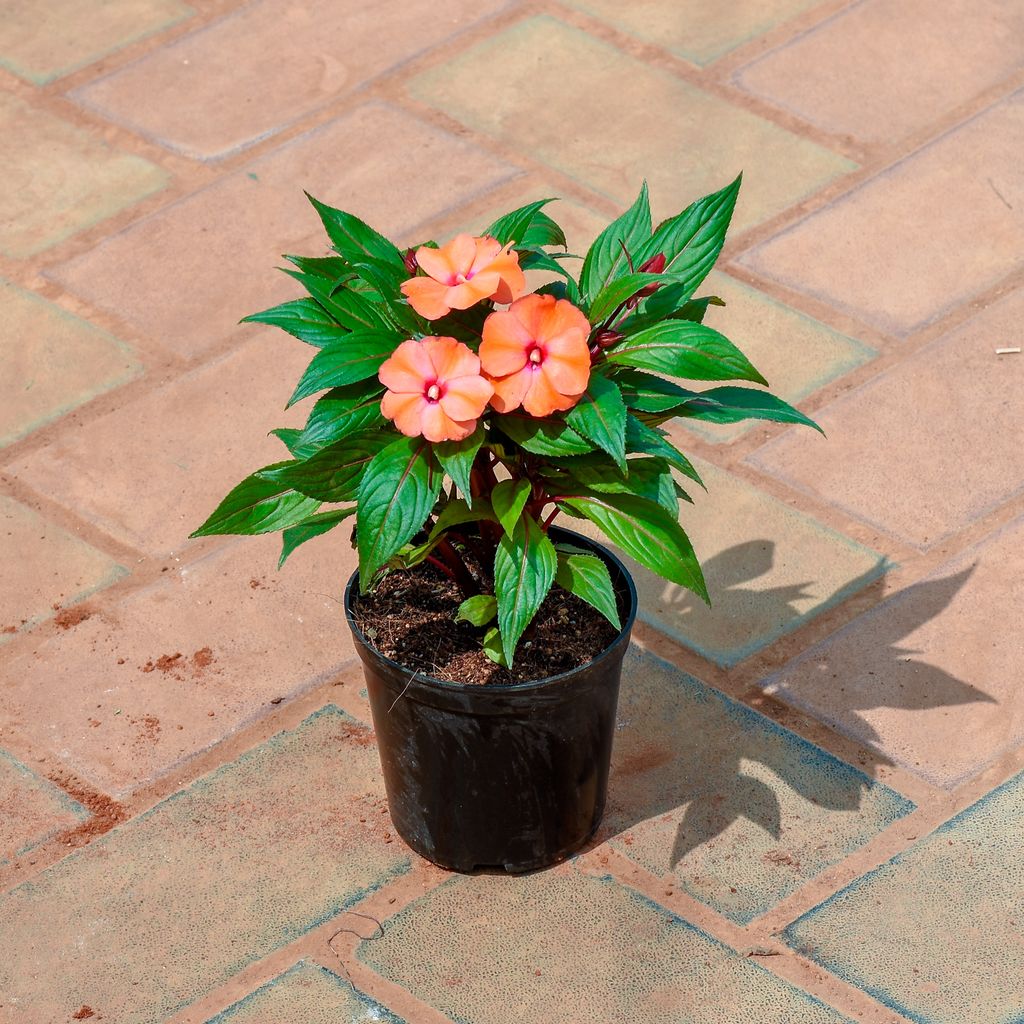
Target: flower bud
x,y
409,259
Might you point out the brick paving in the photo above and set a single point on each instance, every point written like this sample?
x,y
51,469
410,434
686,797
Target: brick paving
x,y
816,794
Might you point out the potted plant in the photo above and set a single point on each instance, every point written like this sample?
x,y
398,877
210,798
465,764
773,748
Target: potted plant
x,y
460,415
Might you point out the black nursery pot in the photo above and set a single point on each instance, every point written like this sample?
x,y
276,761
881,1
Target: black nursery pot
x,y
510,777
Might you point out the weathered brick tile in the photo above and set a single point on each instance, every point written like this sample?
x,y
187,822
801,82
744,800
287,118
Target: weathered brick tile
x,y
881,70
701,30
930,678
736,810
515,86
49,567
58,363
558,947
927,447
188,273
919,239
59,179
43,43
31,809
150,472
319,50
127,694
768,567
935,934
306,994
168,906
797,355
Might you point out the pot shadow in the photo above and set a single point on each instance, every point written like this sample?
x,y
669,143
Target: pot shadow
x,y
684,753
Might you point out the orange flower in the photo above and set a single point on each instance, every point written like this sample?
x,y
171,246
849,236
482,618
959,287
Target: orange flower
x,y
462,273
434,389
536,355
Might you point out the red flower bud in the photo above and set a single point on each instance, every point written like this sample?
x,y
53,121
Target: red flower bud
x,y
606,337
409,259
655,265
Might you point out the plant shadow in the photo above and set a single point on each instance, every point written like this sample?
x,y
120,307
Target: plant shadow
x,y
687,756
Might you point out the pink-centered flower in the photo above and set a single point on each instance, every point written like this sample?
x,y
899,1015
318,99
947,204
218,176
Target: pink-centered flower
x,y
536,355
461,274
434,389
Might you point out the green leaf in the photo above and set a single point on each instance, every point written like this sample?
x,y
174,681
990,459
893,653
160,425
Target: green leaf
x,y
732,404
514,226
358,356
668,303
543,230
692,240
508,499
351,309
261,503
647,393
648,441
332,268
588,578
310,527
616,292
538,260
334,472
524,569
647,478
493,648
685,349
600,416
457,458
606,258
455,513
353,238
398,490
343,411
477,611
543,436
290,438
646,532
304,319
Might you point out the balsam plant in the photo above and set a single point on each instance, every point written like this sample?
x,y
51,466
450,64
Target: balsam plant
x,y
459,415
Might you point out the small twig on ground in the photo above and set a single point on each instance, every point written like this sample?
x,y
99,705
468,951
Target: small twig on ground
x,y
1008,351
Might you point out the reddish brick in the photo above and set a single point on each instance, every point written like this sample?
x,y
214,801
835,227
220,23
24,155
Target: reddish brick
x,y
931,678
918,239
59,179
883,69
51,568
169,906
319,50
939,423
129,693
187,274
58,363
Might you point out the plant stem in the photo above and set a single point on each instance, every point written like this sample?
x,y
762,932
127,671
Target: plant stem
x,y
458,569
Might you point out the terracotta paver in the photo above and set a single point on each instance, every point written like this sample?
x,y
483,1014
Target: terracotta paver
x,y
935,933
55,569
306,994
59,179
320,50
882,252
733,808
559,947
58,362
210,880
219,247
31,809
703,30
150,472
44,43
942,423
883,69
513,86
124,696
931,678
768,568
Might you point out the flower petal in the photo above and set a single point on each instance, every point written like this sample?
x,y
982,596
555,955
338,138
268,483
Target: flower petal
x,y
465,398
470,292
543,398
451,358
569,373
426,296
510,391
437,263
406,411
407,369
439,426
487,249
504,345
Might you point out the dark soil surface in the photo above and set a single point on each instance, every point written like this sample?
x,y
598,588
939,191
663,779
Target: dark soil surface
x,y
410,618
